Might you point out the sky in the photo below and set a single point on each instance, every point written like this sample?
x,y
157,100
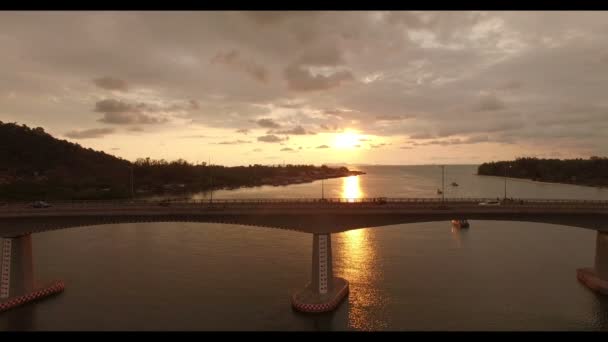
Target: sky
x,y
238,88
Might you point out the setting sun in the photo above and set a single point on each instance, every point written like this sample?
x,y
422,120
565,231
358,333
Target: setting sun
x,y
347,139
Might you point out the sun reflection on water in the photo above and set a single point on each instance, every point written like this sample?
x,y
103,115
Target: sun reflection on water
x,y
351,190
356,261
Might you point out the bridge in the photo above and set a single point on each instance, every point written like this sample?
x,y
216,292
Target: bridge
x,y
319,217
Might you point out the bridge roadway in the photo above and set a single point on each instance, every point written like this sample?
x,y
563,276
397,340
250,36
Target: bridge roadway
x,y
306,215
321,218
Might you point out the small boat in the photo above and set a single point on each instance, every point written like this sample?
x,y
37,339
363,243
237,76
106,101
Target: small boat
x,y
454,184
439,192
460,223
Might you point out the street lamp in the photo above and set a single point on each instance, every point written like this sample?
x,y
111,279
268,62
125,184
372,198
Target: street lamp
x,y
442,183
506,168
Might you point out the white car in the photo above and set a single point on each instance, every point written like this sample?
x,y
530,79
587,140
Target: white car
x,y
490,203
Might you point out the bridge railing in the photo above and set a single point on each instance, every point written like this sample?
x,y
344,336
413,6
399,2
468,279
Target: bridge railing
x,y
317,202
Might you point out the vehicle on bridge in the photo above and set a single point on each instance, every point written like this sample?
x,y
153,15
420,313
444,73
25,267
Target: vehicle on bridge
x,y
490,203
40,204
460,223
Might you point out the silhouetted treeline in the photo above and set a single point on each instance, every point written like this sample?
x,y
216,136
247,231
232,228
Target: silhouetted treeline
x,y
591,172
35,165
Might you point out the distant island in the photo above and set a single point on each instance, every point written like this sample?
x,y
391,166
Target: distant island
x,y
588,172
36,166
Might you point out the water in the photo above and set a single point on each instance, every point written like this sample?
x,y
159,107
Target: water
x,y
191,276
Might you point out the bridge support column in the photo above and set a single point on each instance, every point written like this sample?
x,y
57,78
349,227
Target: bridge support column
x,y
597,278
17,282
325,292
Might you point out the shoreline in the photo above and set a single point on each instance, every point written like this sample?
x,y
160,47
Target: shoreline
x,y
529,180
273,184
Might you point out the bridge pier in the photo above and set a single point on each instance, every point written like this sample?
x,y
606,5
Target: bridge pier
x,y
17,282
325,292
597,278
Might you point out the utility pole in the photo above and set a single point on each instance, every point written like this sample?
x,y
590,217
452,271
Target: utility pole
x,y
132,192
322,189
443,183
210,180
506,168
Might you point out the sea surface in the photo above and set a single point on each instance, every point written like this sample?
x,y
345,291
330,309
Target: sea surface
x,y
424,276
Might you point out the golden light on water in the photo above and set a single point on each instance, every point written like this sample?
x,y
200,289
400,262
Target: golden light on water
x,y
356,252
351,189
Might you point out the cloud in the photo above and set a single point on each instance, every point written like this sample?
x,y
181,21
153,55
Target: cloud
x,y
378,145
323,146
511,85
135,129
300,78
243,130
194,105
234,142
115,148
268,123
110,83
288,149
234,60
489,103
122,113
298,130
423,135
389,118
271,138
406,147
257,150
89,133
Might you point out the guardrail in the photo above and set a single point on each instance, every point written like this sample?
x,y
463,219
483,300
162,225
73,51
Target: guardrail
x,y
327,201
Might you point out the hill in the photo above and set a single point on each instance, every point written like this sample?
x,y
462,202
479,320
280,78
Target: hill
x,y
35,165
589,172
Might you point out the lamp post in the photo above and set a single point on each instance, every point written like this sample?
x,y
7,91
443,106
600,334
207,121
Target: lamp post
x,y
132,192
322,189
442,183
506,168
210,181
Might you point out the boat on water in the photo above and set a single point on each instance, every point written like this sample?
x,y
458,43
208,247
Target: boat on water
x,y
460,223
454,184
439,192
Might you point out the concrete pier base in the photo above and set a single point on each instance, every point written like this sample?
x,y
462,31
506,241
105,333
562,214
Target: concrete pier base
x,y
39,293
597,278
17,282
325,292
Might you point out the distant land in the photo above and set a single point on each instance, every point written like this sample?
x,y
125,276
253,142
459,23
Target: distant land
x,y
587,172
36,166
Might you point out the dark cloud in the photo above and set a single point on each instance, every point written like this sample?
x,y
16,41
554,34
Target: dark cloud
x,y
234,60
243,130
298,130
422,135
135,129
406,147
89,133
122,113
111,83
300,78
489,103
389,118
268,123
378,145
271,138
511,85
323,146
234,142
194,105
288,149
